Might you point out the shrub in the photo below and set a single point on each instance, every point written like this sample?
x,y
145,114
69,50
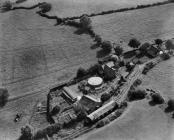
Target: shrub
x,y
85,22
6,6
3,96
156,99
105,97
106,46
118,50
136,94
134,43
81,73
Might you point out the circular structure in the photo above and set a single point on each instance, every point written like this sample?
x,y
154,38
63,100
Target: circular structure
x,y
95,81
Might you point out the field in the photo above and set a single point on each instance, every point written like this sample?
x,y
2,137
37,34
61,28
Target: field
x,y
141,122
66,8
144,24
35,54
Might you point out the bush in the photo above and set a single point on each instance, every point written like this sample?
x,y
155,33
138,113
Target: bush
x,y
6,6
81,73
118,50
134,43
106,46
105,97
3,96
136,94
156,99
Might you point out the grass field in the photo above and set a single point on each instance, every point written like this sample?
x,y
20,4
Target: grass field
x,y
65,8
141,122
33,51
161,78
144,24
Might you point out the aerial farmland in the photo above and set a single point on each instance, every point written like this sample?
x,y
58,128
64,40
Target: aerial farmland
x,y
58,56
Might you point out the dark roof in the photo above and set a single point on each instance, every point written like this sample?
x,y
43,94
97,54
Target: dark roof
x,y
89,103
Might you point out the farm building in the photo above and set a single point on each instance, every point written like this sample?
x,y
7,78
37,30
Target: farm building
x,y
102,111
69,94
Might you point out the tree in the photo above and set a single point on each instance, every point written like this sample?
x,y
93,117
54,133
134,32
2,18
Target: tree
x,y
134,43
3,96
170,106
81,73
95,69
26,133
105,97
118,50
169,44
156,99
45,7
85,22
138,94
98,39
80,111
158,42
143,48
6,6
137,82
165,56
106,46
55,110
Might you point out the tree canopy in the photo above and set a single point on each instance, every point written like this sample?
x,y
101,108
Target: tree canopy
x,y
85,22
134,43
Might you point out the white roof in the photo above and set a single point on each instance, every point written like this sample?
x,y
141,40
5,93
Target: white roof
x,y
95,81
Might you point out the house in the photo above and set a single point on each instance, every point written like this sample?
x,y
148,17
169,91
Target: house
x,y
89,103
